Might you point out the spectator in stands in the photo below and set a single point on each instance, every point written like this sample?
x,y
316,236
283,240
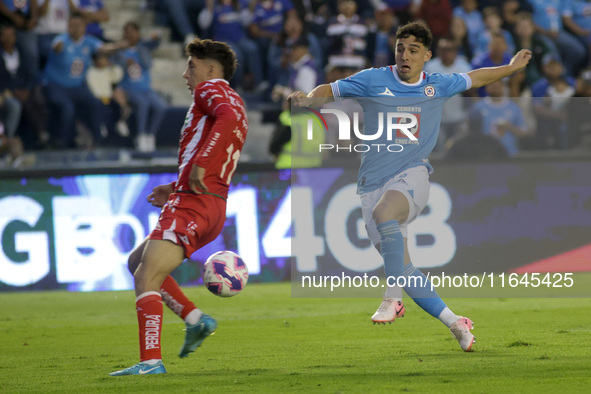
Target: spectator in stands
x,y
510,10
229,19
94,12
182,16
454,114
53,20
148,106
279,52
13,147
303,70
576,17
10,111
578,119
381,42
527,38
289,145
267,23
23,14
551,94
496,56
347,33
493,22
500,117
64,80
467,10
102,78
20,90
459,33
315,13
437,14
401,9
547,16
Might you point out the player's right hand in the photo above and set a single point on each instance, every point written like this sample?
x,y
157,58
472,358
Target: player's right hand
x,y
159,195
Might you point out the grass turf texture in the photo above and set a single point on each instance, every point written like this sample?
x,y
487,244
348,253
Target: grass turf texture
x,y
268,342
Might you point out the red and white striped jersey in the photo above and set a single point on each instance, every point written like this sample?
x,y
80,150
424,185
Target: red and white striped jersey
x,y
213,135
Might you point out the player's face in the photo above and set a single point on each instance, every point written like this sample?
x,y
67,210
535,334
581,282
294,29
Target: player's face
x,y
410,58
197,71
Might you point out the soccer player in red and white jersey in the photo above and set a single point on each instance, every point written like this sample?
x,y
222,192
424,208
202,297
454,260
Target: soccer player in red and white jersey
x,y
193,207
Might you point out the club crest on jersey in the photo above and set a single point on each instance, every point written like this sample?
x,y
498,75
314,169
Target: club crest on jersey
x,y
429,90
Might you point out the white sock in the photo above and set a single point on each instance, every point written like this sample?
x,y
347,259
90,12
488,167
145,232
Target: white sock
x,y
447,317
394,292
153,361
193,316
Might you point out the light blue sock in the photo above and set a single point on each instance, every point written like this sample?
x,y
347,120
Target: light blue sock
x,y
426,298
392,248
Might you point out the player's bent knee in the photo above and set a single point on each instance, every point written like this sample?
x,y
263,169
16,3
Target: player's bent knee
x,y
383,213
392,206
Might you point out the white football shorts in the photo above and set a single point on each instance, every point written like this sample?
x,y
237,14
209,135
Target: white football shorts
x,y
413,183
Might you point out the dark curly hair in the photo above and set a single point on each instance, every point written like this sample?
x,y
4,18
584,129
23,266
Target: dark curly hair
x,y
215,50
417,29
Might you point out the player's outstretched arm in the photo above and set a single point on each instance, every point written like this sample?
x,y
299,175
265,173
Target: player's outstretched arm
x,y
319,96
486,76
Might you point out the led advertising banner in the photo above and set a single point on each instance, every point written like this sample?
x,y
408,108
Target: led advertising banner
x,y
75,232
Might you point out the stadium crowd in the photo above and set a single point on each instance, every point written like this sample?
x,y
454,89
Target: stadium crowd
x,y
62,85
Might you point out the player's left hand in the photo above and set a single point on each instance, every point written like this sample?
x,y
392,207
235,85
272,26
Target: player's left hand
x,y
196,180
298,99
521,59
159,195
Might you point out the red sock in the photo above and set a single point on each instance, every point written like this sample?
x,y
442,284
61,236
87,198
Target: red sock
x,y
149,317
175,299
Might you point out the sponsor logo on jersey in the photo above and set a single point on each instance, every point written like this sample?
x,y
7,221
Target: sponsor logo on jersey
x,y
183,238
412,129
239,134
191,227
386,92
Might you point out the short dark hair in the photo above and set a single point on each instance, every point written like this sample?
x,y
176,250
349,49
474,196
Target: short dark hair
x,y
133,24
77,14
215,50
417,29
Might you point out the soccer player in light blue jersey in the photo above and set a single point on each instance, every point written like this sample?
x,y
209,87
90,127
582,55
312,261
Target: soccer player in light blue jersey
x,y
394,187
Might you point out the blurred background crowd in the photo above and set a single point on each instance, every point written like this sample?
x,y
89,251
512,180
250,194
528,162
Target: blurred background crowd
x,y
84,74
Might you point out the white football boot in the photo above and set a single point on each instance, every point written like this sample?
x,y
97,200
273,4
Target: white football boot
x,y
461,331
388,311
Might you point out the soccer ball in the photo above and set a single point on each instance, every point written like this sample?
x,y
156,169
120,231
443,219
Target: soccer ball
x,y
225,274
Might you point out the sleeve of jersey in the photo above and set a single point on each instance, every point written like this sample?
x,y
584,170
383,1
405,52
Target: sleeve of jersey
x,y
456,83
353,86
225,120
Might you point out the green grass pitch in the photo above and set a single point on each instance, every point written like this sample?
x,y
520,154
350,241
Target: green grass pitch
x,y
269,342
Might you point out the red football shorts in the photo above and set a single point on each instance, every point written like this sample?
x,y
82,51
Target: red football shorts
x,y
190,220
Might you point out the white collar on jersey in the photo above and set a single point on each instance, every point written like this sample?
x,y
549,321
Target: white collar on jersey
x,y
421,77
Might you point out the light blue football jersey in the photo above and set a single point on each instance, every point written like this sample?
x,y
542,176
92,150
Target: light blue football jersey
x,y
68,67
380,92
